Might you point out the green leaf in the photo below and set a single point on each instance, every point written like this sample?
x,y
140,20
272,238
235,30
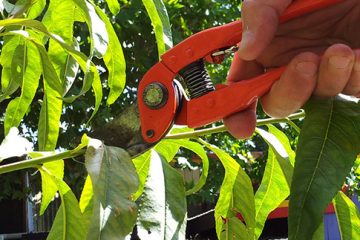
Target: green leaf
x,y
68,222
62,24
273,190
86,202
36,8
192,146
114,60
13,66
114,6
18,107
275,184
328,146
168,149
280,152
92,78
97,29
51,108
162,213
48,186
87,194
161,24
284,140
142,164
320,232
236,196
348,217
114,181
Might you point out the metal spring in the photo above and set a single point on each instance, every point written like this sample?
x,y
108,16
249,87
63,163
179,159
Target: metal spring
x,y
197,79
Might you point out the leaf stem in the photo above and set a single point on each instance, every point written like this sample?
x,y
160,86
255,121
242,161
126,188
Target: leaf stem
x,y
35,162
222,128
293,125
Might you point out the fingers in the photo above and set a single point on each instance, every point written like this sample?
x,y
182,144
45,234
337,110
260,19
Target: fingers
x,y
353,85
294,87
260,18
335,71
242,125
242,70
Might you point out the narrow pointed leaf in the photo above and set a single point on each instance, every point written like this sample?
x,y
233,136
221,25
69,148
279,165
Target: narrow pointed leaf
x,y
236,196
114,6
18,107
62,24
195,148
97,29
271,193
275,184
284,140
162,213
114,181
51,108
328,146
88,67
348,216
86,202
68,222
142,164
161,24
11,43
114,60
36,8
13,71
48,186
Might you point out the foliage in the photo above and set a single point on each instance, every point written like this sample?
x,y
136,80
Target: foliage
x,y
63,70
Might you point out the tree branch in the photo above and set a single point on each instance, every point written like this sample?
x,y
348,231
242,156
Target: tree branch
x,y
35,162
222,128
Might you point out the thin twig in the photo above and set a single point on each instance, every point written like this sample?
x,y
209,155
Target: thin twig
x,y
35,162
222,128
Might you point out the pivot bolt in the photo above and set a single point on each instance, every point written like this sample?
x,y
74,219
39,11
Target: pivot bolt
x,y
150,133
155,95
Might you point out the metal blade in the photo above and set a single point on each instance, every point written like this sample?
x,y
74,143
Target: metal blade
x,y
124,132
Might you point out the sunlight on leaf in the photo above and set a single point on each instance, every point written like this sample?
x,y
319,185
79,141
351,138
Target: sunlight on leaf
x,y
348,217
68,222
160,21
18,107
114,60
236,196
48,186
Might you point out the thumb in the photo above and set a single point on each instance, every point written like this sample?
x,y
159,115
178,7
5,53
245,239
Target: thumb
x,y
260,19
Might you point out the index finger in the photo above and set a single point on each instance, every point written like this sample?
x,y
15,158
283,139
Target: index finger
x,y
260,19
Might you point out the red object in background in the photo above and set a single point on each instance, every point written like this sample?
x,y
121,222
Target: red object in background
x,y
283,211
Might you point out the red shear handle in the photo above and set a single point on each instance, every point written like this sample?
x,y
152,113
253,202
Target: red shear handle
x,y
202,44
226,100
155,122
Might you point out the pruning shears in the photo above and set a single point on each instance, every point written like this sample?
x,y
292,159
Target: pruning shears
x,y
192,100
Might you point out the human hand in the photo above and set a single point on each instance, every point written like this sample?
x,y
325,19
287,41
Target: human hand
x,y
331,32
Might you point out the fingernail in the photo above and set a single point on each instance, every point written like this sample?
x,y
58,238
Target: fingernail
x,y
307,68
340,62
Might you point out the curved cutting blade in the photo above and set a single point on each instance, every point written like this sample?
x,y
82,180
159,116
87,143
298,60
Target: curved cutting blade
x,y
124,131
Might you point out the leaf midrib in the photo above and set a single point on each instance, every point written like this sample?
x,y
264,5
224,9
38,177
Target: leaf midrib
x,y
316,167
